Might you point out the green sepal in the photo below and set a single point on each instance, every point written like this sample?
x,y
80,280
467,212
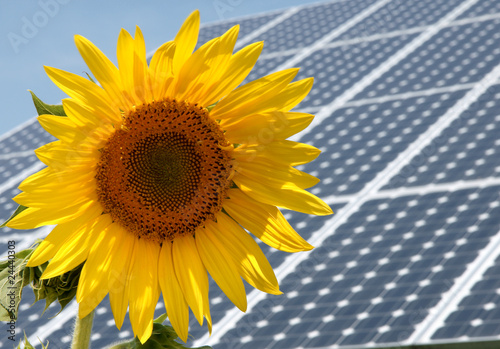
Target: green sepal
x,y
90,77
18,210
15,275
211,106
60,288
27,345
44,108
163,337
12,281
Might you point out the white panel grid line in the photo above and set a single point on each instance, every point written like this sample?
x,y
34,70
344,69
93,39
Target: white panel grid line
x,y
292,261
350,93
436,188
418,190
476,19
406,95
19,154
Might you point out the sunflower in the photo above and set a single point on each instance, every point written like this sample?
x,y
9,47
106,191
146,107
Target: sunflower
x,y
160,170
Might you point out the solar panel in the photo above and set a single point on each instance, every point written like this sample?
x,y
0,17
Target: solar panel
x,y
407,97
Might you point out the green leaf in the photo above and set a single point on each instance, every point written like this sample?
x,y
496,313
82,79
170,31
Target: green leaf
x,y
43,108
18,210
12,281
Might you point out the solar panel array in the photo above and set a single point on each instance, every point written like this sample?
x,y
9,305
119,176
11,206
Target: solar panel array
x,y
407,98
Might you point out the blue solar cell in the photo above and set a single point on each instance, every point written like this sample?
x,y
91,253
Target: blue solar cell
x,y
352,128
473,48
465,153
323,340
451,331
373,322
360,337
490,329
482,8
339,68
401,15
422,303
247,25
393,336
310,24
270,331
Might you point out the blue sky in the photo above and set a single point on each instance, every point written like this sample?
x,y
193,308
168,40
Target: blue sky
x,y
38,33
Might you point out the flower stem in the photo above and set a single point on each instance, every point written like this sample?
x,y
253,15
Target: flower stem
x,y
83,330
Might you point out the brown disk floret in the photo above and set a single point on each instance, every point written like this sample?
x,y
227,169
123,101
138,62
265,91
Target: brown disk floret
x,y
166,171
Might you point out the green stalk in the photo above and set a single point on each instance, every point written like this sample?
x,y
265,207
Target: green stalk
x,y
83,330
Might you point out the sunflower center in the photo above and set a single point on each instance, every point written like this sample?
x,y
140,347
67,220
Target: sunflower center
x,y
165,172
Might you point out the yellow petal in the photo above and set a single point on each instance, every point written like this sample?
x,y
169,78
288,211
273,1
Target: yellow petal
x,y
103,70
37,217
48,176
277,99
275,175
125,53
143,288
281,151
289,196
58,236
238,67
195,72
246,255
220,268
86,117
266,222
59,155
218,66
186,40
176,305
93,284
119,274
265,128
289,123
191,274
52,197
62,128
254,97
85,92
75,251
293,94
160,70
142,84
